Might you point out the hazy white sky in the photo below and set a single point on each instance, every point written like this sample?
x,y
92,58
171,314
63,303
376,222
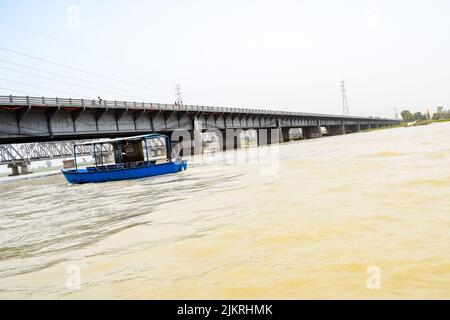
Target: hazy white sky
x,y
288,55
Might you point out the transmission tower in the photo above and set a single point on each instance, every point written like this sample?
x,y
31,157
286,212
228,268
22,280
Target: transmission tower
x,y
396,113
178,94
344,100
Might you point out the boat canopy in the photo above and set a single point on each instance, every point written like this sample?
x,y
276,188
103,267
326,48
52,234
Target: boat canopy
x,y
127,151
125,158
103,141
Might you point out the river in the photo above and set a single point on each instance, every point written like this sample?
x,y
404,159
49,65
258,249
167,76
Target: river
x,y
306,219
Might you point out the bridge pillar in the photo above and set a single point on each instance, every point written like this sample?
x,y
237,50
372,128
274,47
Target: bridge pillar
x,y
231,139
311,132
275,136
364,126
24,168
268,136
351,128
196,142
69,164
23,165
196,137
261,137
285,137
335,130
14,168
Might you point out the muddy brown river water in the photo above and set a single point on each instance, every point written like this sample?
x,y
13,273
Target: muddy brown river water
x,y
307,219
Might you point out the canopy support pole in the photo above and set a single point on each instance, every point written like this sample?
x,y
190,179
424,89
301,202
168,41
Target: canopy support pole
x,y
146,149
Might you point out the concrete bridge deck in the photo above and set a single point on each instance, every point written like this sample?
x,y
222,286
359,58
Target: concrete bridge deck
x,y
35,119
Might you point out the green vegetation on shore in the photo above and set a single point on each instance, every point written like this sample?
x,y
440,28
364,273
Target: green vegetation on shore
x,y
419,119
421,123
440,115
441,120
404,124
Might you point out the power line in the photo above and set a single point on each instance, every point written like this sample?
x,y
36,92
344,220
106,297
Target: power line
x,y
20,91
78,79
91,82
30,31
85,71
166,93
60,81
73,68
67,83
80,70
39,87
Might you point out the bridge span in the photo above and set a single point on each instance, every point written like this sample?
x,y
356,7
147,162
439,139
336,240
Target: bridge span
x,y
42,119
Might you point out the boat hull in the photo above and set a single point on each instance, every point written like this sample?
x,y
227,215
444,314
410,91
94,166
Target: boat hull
x,y
85,176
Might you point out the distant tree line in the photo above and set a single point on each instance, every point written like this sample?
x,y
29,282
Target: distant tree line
x,y
440,114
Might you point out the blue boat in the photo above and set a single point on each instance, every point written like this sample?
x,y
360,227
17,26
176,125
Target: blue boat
x,y
134,157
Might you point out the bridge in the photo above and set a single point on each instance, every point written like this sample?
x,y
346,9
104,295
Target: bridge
x,y
25,119
35,119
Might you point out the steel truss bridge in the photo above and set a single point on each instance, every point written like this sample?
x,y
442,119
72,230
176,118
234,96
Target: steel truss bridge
x,y
28,152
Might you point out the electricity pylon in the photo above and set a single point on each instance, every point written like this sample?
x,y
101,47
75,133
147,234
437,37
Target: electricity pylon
x,y
345,110
178,94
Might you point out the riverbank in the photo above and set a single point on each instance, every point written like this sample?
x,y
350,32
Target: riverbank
x,y
33,175
406,125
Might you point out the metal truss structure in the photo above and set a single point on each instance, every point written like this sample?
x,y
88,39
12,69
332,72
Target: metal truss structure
x,y
27,152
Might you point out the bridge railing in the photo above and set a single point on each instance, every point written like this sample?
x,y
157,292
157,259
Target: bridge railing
x,y
99,103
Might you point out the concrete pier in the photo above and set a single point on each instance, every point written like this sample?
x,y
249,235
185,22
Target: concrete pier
x,y
352,128
231,139
312,132
69,164
269,136
196,137
285,136
23,165
14,168
24,168
335,130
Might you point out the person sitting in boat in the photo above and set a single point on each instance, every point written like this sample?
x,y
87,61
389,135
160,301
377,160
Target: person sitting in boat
x,y
124,156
